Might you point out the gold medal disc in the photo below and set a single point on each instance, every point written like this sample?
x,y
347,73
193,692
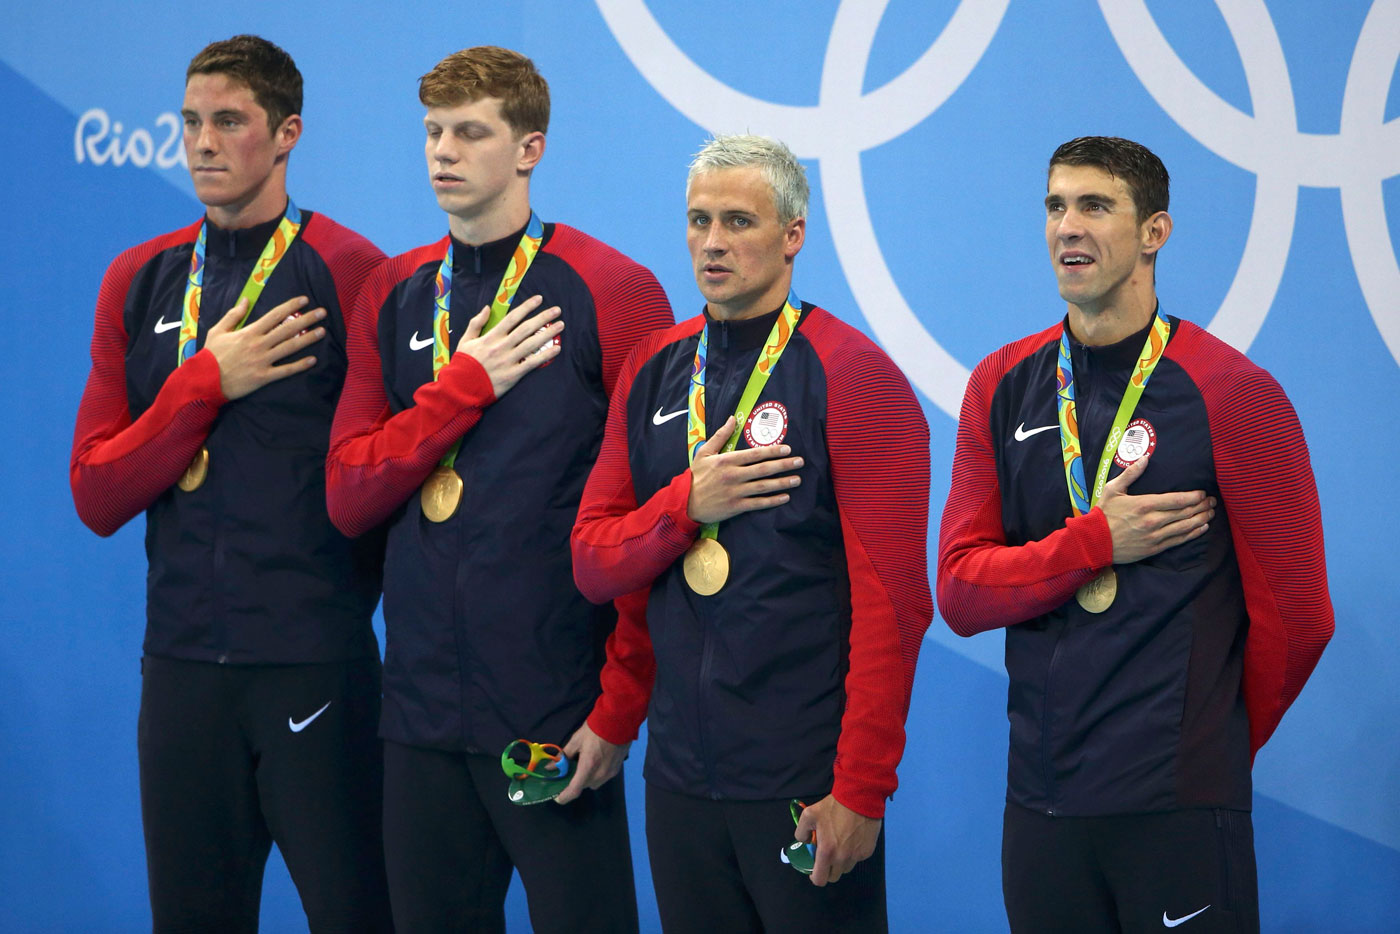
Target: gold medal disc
x,y
1097,595
193,477
441,494
706,566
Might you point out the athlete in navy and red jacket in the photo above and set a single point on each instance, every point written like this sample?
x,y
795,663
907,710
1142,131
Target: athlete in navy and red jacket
x,y
1133,729
793,679
260,681
488,640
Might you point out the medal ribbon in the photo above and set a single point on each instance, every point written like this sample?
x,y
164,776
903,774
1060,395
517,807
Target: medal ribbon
x,y
272,254
1151,353
520,262
773,348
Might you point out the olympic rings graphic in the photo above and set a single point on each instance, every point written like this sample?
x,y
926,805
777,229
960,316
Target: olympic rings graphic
x,y
845,122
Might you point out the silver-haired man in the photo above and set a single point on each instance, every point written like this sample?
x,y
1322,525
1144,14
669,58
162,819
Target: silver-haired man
x,y
759,508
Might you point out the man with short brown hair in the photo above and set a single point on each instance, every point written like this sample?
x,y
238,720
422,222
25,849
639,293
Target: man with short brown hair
x,y
469,423
1132,501
260,675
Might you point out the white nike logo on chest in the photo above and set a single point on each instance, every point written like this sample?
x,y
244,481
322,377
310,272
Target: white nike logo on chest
x,y
659,419
1022,434
162,325
415,344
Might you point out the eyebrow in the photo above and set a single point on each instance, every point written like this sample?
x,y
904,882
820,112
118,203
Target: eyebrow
x,y
1089,197
218,114
459,125
722,212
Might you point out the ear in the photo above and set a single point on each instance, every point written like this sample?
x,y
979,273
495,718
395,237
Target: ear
x,y
1155,231
531,152
794,235
287,135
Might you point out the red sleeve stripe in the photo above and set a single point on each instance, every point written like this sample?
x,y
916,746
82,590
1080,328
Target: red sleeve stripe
x,y
983,583
616,550
117,467
376,460
877,439
350,257
619,547
627,299
1270,498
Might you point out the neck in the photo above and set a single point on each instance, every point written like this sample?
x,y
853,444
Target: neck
x,y
1098,327
483,227
267,204
768,301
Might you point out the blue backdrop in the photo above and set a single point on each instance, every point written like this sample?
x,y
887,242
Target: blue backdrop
x,y
925,126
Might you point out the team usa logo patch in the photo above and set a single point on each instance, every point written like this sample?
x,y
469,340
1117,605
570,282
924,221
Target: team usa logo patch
x,y
1139,439
767,424
557,342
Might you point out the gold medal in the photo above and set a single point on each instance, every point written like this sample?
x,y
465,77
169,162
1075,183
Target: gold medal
x,y
1097,595
441,494
193,477
706,566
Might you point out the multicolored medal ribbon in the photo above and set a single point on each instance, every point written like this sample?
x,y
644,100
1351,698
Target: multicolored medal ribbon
x,y
799,854
538,772
1098,595
272,253
706,563
442,491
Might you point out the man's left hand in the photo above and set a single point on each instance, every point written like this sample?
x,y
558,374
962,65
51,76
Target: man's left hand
x,y
844,837
595,760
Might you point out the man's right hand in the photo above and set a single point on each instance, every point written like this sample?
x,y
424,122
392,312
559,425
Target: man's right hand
x,y
724,485
248,356
1145,525
516,345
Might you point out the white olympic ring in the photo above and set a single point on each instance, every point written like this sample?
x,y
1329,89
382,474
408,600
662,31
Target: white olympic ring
x,y
1357,159
846,122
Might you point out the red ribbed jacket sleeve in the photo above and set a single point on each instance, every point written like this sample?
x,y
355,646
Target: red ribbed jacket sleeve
x,y
377,458
119,467
618,546
983,583
1270,498
619,549
628,302
878,443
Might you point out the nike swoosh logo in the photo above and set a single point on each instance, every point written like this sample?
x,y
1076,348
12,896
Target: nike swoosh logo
x,y
659,419
298,727
162,325
1173,922
1022,434
415,344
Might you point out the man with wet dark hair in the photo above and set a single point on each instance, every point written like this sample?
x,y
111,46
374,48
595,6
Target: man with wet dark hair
x,y
217,357
1132,501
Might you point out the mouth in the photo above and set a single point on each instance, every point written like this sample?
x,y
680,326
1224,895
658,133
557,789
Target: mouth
x,y
714,270
1074,259
446,179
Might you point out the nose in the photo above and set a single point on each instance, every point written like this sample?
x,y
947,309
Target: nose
x,y
204,138
714,240
442,149
1070,225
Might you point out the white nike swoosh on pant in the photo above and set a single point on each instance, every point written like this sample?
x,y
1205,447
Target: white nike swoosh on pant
x,y
659,419
162,325
1022,434
298,727
415,344
1173,922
